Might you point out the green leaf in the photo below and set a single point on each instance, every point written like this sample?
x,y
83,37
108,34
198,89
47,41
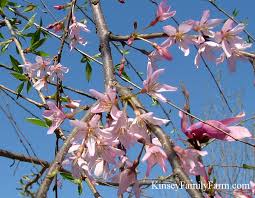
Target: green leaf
x,y
36,36
30,8
235,12
48,122
4,47
15,64
67,176
88,71
29,86
19,89
84,59
154,102
80,189
1,35
3,3
37,44
19,76
124,52
246,166
29,23
37,122
41,53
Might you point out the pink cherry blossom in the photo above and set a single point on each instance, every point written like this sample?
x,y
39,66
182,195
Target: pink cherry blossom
x,y
190,162
205,24
161,52
152,87
87,133
231,61
228,36
154,155
74,34
55,115
41,83
139,125
126,178
179,35
57,70
207,51
203,132
106,102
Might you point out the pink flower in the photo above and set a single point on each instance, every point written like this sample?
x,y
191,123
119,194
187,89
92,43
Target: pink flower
x,y
180,35
55,115
126,178
163,13
190,162
59,7
57,71
58,26
228,36
231,61
203,132
106,102
74,34
152,87
205,25
161,52
154,155
139,125
206,50
41,83
87,132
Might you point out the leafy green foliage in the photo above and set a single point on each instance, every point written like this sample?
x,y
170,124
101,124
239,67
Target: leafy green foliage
x,y
19,76
88,71
70,178
37,122
246,166
20,89
30,7
29,23
15,64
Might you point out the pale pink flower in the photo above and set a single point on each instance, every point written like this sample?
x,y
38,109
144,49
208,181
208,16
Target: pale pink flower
x,y
179,35
58,26
203,132
139,125
190,162
206,50
231,61
74,34
163,13
57,70
205,25
154,155
152,87
228,36
87,132
161,52
126,178
106,102
41,83
73,104
55,115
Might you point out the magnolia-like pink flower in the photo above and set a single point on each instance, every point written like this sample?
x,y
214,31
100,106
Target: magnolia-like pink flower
x,y
55,115
126,178
163,13
161,52
106,102
179,35
154,155
57,70
152,87
205,24
228,36
74,34
203,132
190,162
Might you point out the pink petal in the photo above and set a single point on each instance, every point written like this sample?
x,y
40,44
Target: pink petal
x,y
227,25
231,120
184,27
238,132
169,30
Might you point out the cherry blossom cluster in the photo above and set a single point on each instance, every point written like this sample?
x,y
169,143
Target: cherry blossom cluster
x,y
43,71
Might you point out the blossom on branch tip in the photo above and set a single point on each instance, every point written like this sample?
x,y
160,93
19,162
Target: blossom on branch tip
x,y
74,34
203,132
55,115
161,51
179,35
228,36
152,87
58,71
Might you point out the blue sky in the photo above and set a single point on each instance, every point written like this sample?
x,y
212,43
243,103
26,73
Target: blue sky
x,y
205,98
